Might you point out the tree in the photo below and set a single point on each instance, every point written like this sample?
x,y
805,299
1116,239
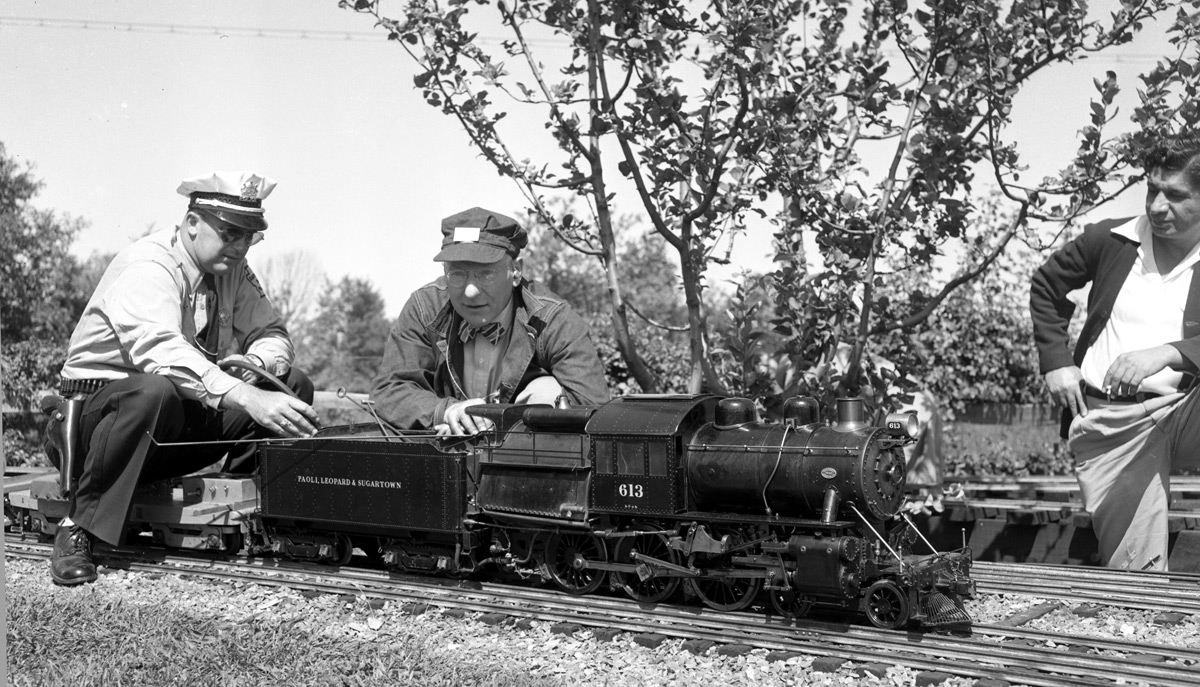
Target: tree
x,y
344,346
717,112
940,111
36,268
646,270
980,347
689,156
40,303
294,281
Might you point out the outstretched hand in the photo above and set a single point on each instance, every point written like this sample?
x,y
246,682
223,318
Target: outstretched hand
x,y
281,413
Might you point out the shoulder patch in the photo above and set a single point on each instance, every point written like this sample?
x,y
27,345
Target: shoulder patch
x,y
254,282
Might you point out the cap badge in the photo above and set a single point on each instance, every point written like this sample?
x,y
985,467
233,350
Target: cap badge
x,y
466,235
250,188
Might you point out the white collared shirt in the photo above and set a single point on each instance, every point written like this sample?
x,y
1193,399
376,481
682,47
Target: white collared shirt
x,y
1148,311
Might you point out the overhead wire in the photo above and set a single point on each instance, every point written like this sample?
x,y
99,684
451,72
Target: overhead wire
x,y
212,30
331,35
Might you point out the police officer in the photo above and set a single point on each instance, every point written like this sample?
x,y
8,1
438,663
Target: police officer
x,y
482,333
168,311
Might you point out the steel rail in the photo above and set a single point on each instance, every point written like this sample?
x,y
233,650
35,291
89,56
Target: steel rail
x,y
1159,591
1173,578
923,651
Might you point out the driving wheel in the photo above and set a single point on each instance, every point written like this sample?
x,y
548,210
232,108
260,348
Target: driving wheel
x,y
654,587
565,552
723,592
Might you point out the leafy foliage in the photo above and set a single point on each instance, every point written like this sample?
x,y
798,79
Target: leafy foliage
x,y
35,267
344,345
645,270
41,284
1007,450
942,110
668,95
29,367
980,347
714,112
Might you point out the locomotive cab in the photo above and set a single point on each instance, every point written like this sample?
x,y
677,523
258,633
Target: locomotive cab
x,y
638,443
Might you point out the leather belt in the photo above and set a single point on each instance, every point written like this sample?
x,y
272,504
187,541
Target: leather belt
x,y
82,386
1139,397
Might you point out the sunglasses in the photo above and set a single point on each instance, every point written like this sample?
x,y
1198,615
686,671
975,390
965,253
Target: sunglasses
x,y
234,235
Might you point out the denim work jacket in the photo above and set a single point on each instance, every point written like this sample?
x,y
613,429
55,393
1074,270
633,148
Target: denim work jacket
x,y
422,369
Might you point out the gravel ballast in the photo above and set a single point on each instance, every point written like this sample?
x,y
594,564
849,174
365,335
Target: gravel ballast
x,y
363,636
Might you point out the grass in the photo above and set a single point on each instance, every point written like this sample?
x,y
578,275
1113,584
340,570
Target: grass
x,y
87,636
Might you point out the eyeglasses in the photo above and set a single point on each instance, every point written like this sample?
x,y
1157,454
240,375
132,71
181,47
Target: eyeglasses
x,y
232,235
484,277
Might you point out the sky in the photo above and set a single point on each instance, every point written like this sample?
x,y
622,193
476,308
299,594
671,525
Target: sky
x,y
115,101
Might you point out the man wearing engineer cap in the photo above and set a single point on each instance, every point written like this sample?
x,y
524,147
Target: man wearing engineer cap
x,y
146,352
482,334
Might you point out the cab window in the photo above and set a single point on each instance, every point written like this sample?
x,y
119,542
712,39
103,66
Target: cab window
x,y
630,458
658,459
604,457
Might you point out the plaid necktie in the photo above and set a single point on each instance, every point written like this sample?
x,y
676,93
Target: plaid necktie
x,y
207,337
491,330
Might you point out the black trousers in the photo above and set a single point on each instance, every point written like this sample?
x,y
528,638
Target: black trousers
x,y
116,429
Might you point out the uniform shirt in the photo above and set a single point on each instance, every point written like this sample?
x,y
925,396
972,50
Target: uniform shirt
x,y
147,309
1148,311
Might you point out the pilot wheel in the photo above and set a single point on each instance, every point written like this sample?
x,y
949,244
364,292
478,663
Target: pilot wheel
x,y
886,605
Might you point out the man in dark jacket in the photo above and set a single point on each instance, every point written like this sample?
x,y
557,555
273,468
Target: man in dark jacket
x,y
482,334
1127,388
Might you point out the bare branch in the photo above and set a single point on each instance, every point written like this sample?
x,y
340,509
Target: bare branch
x,y
654,323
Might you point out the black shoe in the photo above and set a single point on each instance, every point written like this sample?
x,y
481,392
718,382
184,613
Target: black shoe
x,y
71,563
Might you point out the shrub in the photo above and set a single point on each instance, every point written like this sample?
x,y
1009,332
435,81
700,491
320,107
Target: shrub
x,y
1005,450
29,367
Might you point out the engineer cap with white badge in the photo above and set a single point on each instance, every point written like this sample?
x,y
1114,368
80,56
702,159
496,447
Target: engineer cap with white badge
x,y
479,235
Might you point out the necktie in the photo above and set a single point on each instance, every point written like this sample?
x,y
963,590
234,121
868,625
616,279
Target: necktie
x,y
491,330
207,337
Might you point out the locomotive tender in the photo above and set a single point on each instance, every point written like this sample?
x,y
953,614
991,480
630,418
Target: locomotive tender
x,y
649,494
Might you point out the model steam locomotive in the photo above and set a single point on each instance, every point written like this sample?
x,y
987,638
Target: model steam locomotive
x,y
650,495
